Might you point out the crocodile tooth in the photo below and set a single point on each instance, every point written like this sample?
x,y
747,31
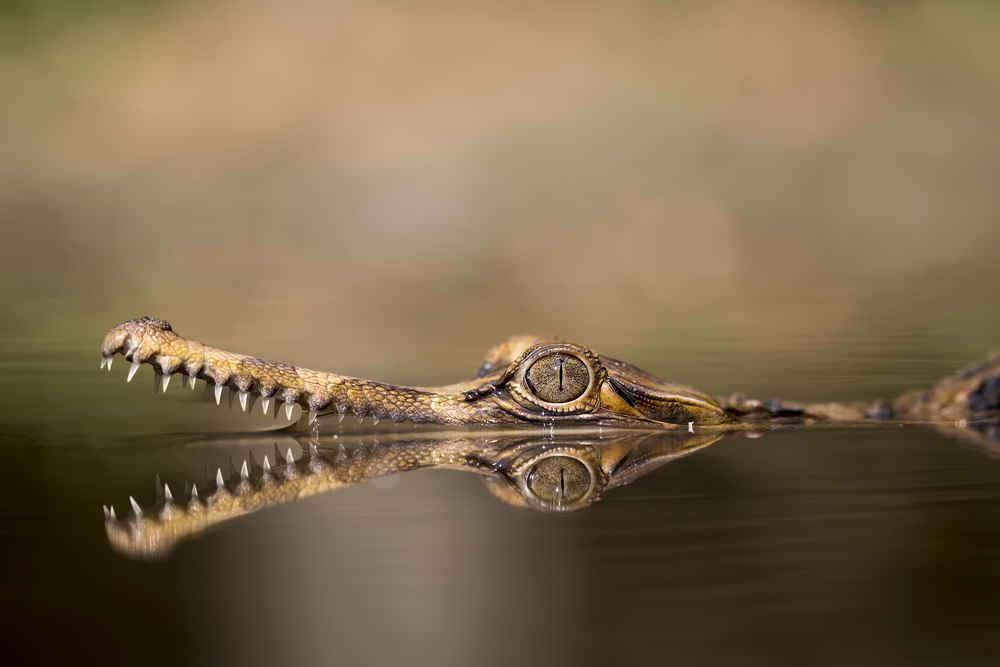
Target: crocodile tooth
x,y
107,514
218,394
113,517
194,492
193,377
166,381
159,487
219,482
267,465
104,362
131,372
312,416
340,417
135,507
184,381
244,473
156,382
243,400
375,420
266,403
289,459
167,496
251,402
110,359
288,410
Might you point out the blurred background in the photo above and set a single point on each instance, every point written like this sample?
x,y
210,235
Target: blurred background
x,y
724,192
786,198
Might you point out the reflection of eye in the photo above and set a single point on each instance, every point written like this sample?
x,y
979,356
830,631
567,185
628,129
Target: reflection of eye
x,y
558,378
559,480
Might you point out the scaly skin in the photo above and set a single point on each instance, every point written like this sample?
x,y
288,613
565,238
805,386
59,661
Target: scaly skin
x,y
522,381
607,392
555,473
529,379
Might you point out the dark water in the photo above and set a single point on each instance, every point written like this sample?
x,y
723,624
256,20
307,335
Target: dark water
x,y
874,546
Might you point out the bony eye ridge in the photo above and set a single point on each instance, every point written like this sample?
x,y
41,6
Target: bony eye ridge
x,y
558,378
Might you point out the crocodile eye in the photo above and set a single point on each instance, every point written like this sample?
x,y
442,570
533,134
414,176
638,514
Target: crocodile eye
x,y
558,378
559,480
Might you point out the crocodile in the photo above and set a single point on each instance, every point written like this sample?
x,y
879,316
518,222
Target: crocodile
x,y
556,472
525,380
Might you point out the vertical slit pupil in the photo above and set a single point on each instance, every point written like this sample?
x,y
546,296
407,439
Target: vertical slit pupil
x,y
562,362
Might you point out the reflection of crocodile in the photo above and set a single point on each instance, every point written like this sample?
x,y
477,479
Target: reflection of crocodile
x,y
557,472
523,380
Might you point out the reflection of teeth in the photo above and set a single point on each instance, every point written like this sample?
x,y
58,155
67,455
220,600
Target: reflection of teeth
x,y
135,507
131,372
218,394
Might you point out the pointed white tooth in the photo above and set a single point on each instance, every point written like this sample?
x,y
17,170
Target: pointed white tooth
x,y
113,517
244,473
135,507
375,420
219,482
267,465
167,496
156,382
218,394
166,381
184,381
131,372
110,359
288,410
266,403
107,514
312,415
289,459
192,378
194,491
243,400
104,362
340,417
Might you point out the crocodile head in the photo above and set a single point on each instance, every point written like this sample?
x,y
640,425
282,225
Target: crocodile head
x,y
527,379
